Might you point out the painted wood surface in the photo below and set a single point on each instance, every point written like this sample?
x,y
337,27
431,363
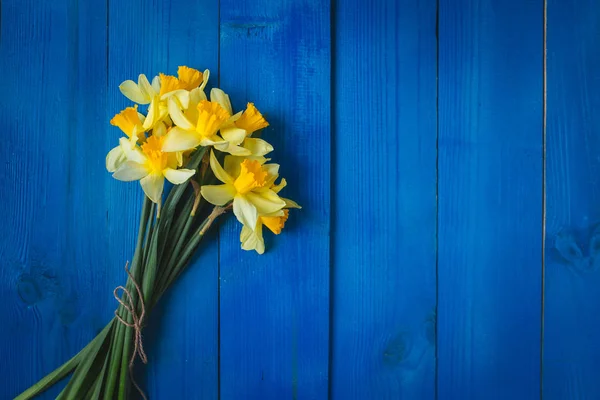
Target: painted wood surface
x,y
411,131
490,188
384,207
274,315
572,306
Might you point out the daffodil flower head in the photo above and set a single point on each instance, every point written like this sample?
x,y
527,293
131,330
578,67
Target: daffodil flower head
x,y
252,239
197,128
128,120
189,78
251,120
150,164
210,118
248,188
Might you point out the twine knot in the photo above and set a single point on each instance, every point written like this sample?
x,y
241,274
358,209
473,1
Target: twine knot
x,y
136,324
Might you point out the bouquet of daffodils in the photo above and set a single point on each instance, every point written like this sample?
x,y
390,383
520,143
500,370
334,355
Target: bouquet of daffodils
x,y
216,164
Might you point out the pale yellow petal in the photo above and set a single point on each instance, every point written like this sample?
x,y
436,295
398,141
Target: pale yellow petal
x,y
290,203
277,188
196,96
130,171
178,176
182,96
153,114
233,135
206,75
215,141
145,87
180,140
234,150
159,130
219,172
115,158
266,202
132,152
253,239
132,91
222,98
153,186
244,210
218,195
177,115
156,84
232,165
258,147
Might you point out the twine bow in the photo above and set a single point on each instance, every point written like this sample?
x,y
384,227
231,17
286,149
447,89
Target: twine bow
x,y
136,324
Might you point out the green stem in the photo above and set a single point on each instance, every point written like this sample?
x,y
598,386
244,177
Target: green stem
x,y
126,334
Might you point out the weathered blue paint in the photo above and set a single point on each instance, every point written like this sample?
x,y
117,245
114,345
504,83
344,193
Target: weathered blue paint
x,y
412,132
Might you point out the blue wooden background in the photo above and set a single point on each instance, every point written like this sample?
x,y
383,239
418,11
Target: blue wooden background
x,y
446,153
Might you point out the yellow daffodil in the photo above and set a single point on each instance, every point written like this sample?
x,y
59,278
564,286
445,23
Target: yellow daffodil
x,y
128,120
163,88
151,165
236,131
142,92
252,239
195,127
249,188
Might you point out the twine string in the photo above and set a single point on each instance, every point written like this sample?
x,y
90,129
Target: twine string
x,y
136,324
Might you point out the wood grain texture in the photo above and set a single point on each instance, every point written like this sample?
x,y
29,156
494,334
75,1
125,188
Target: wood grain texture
x,y
274,313
490,199
53,263
384,283
182,335
571,323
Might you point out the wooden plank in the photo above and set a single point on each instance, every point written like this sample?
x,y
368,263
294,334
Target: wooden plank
x,y
182,334
384,283
274,308
49,263
571,323
490,199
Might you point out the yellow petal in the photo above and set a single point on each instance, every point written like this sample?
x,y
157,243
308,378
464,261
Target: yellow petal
x,y
145,87
206,75
281,185
267,202
222,98
218,195
132,91
168,83
177,115
127,120
290,203
219,172
156,84
244,211
233,134
130,171
275,224
178,139
251,120
132,152
211,117
153,186
115,158
252,239
159,130
178,176
258,147
153,114
189,78
182,96
251,176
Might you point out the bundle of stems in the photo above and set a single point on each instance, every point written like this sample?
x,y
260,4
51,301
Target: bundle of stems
x,y
167,239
